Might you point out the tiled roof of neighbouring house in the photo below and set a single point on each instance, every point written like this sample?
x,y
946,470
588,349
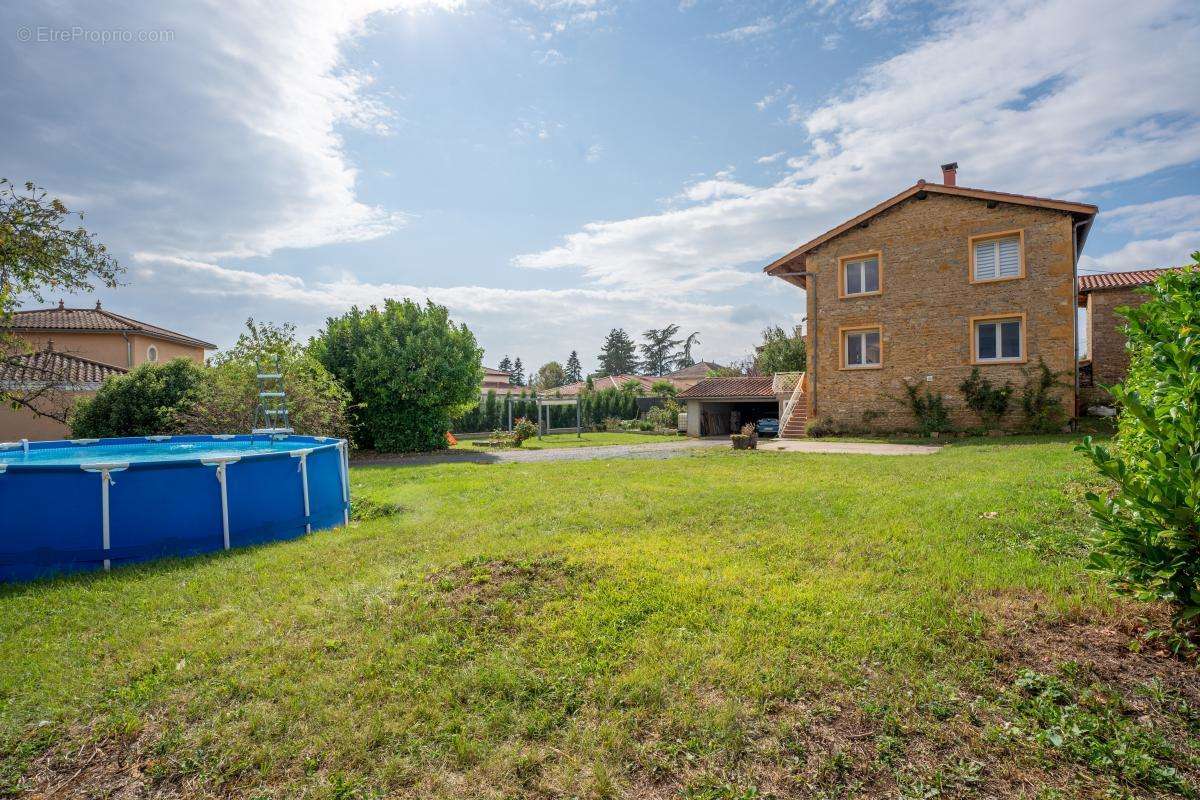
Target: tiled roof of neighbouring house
x,y
607,382
730,387
1120,280
52,366
698,370
94,320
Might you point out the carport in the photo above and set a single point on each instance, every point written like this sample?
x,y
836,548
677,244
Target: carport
x,y
719,406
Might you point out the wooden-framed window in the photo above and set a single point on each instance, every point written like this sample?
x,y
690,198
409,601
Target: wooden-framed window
x,y
998,339
862,347
997,256
860,275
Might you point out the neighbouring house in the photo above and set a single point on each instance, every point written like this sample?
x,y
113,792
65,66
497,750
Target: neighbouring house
x,y
1105,359
927,286
687,377
601,383
70,351
498,381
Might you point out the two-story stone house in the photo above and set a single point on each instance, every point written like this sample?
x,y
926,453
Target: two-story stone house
x,y
70,351
928,285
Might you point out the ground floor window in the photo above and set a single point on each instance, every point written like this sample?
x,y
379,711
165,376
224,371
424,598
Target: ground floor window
x,y
999,339
861,348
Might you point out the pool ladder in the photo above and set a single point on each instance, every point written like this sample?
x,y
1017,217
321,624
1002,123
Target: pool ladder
x,y
271,415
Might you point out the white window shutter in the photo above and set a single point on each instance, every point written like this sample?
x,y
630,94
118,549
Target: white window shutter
x,y
1009,257
986,261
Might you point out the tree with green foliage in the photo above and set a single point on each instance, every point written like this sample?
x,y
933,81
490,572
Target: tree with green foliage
x,y
781,351
41,250
664,388
227,395
550,375
685,359
518,373
409,369
574,369
659,349
149,400
1149,540
505,365
618,355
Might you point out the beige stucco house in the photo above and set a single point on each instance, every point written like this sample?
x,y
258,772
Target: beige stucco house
x,y
928,285
70,353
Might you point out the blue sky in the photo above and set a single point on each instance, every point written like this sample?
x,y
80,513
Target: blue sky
x,y
550,169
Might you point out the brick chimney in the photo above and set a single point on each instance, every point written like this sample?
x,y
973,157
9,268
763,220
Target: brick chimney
x,y
61,305
950,173
97,305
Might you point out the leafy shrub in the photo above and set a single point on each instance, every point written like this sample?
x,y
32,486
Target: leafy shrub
x,y
988,401
1149,537
1043,408
409,369
928,407
665,416
523,429
151,399
227,396
612,424
822,426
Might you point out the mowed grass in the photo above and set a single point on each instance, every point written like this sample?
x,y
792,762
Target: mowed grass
x,y
597,439
719,625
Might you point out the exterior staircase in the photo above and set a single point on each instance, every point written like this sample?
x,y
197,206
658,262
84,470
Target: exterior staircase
x,y
794,420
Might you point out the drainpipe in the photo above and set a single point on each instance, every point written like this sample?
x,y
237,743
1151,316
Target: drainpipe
x,y
1077,241
128,350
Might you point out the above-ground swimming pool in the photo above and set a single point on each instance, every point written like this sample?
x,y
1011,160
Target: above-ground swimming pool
x,y
83,504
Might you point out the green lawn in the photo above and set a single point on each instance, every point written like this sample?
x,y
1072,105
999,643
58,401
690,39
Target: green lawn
x,y
582,440
719,625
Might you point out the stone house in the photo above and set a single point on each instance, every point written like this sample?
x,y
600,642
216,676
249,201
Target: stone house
x,y
1105,360
70,351
927,286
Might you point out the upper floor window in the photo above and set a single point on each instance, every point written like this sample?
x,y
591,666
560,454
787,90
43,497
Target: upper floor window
x,y
861,348
860,275
998,257
152,354
998,339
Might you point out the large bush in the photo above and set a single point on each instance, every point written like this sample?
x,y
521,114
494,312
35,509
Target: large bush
x,y
1149,531
228,395
409,369
151,399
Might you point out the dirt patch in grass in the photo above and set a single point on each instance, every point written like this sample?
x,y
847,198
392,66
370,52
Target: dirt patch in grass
x,y
483,581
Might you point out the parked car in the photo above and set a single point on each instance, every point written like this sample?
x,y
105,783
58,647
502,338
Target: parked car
x,y
767,427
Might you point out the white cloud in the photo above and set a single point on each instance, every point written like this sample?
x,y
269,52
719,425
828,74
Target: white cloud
x,y
594,152
714,188
831,41
567,318
1113,108
550,57
1168,214
772,97
1170,251
235,124
770,158
760,27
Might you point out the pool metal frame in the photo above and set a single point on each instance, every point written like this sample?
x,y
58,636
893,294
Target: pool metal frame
x,y
12,567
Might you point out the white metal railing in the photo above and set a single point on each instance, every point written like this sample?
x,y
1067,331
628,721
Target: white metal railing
x,y
782,382
797,393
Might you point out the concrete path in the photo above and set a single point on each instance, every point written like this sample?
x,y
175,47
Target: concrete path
x,y
669,449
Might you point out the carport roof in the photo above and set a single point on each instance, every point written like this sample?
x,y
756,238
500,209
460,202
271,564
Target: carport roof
x,y
731,389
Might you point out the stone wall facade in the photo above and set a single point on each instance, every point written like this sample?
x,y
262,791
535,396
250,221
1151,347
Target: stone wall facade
x,y
926,307
1106,339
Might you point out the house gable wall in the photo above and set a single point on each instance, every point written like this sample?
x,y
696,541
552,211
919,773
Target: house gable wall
x,y
927,305
1106,339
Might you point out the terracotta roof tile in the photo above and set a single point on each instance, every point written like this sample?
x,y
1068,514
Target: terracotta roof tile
x,y
94,319
1120,280
731,387
54,366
